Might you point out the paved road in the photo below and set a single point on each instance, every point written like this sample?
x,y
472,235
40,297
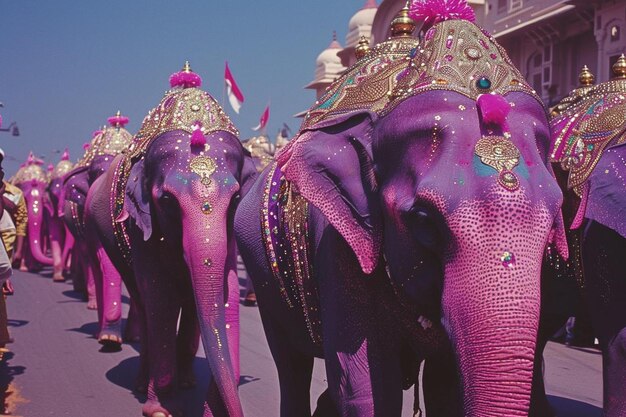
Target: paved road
x,y
55,367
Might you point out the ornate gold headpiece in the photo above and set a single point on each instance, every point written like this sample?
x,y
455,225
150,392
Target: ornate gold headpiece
x,y
586,79
29,172
365,85
459,56
182,109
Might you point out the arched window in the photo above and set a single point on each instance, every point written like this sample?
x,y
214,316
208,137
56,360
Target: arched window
x,y
539,70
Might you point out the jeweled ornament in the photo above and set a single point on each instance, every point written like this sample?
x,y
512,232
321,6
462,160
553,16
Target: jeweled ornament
x,y
483,83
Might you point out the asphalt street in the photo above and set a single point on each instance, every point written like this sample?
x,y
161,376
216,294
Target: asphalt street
x,y
56,368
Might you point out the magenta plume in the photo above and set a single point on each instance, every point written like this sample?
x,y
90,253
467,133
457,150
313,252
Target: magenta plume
x,y
435,11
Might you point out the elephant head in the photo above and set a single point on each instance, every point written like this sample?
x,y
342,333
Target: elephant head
x,y
448,186
33,182
589,143
188,171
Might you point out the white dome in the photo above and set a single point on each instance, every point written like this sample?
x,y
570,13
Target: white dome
x,y
364,17
329,55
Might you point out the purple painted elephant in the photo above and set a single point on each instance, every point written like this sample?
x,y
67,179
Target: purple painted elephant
x,y
419,218
173,201
61,241
107,283
589,144
33,182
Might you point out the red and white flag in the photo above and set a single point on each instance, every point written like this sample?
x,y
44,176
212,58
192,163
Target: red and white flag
x,y
265,117
235,97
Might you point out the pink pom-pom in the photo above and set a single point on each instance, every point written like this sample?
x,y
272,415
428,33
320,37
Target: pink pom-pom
x,y
185,79
197,137
50,167
65,156
118,120
435,11
494,109
87,145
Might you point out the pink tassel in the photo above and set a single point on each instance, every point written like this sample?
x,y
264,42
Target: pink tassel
x,y
118,120
50,167
197,138
435,11
494,109
65,156
185,80
87,145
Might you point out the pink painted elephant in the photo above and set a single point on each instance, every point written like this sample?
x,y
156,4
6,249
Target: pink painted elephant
x,y
104,282
412,208
33,181
173,201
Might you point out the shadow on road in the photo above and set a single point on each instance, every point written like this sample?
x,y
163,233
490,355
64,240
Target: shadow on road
x,y
8,398
573,408
88,328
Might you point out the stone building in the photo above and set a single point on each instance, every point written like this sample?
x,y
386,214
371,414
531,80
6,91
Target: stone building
x,y
548,40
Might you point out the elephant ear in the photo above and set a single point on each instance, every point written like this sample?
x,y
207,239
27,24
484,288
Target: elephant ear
x,y
137,202
75,187
332,168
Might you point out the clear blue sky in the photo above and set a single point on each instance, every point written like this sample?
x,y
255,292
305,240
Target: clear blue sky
x,y
67,65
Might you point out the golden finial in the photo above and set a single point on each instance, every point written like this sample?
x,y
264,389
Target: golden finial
x,y
118,114
402,24
586,78
619,68
362,48
187,67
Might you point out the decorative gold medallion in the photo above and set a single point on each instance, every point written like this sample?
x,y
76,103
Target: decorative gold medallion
x,y
204,166
502,155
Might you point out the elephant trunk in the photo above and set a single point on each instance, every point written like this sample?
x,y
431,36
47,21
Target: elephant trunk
x,y
491,302
209,266
35,223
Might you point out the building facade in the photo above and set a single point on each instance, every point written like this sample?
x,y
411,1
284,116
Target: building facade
x,y
548,40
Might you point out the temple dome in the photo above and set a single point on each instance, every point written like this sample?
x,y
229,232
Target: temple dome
x,y
361,23
329,55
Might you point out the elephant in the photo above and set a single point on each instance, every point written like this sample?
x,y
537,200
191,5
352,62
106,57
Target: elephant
x,y
173,201
413,207
61,241
589,149
33,182
107,282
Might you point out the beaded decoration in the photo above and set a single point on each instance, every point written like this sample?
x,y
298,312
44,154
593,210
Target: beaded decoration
x,y
286,239
457,55
586,129
29,172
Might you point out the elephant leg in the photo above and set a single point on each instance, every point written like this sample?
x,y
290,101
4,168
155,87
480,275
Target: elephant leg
x,y
88,271
603,253
110,305
162,306
361,352
132,330
231,313
57,261
294,371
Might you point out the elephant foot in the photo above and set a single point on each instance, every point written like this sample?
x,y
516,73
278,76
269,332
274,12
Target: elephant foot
x,y
58,277
250,299
110,343
23,268
92,304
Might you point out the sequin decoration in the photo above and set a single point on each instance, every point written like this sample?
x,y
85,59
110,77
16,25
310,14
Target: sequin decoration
x,y
204,167
502,155
508,259
286,239
206,208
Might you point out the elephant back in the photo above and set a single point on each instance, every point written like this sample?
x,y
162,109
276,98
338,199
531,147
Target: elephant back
x,y
589,127
366,85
